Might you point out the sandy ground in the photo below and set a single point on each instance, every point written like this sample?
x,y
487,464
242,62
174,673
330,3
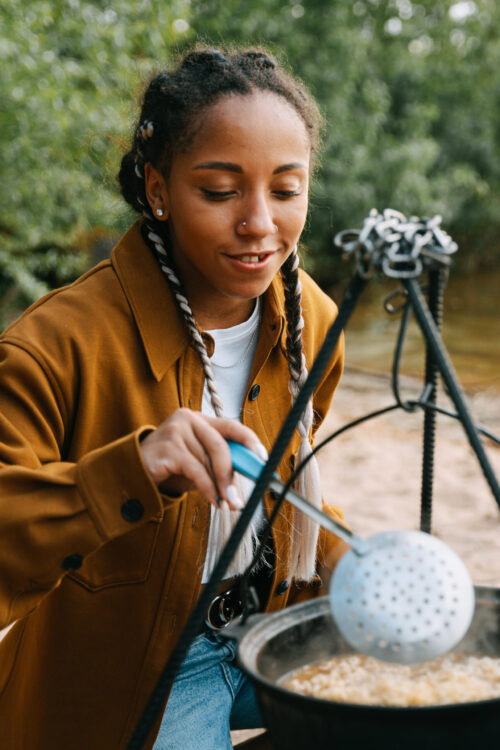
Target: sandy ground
x,y
374,472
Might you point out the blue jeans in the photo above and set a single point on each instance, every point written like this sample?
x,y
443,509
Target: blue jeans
x,y
210,696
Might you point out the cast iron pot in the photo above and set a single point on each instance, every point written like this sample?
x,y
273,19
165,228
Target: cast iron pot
x,y
270,646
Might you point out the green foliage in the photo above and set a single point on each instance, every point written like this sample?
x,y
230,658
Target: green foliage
x,y
69,74
408,89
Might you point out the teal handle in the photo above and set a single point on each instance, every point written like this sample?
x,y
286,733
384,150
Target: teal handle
x,y
245,461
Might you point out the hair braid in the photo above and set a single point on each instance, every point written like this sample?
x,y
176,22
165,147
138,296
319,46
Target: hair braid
x,y
156,242
304,541
143,134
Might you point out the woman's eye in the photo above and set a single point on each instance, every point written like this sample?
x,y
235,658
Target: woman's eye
x,y
217,194
287,193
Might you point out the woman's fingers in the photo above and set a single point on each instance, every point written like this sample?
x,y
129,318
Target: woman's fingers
x,y
214,433
198,475
211,436
189,451
238,432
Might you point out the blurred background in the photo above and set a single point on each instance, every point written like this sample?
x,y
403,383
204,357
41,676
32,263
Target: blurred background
x,y
411,96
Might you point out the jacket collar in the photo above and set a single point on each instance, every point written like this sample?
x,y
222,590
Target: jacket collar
x,y
158,319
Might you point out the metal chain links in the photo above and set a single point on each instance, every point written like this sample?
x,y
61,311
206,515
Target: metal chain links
x,y
396,246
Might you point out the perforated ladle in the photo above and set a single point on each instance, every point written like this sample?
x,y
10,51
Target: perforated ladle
x,y
400,596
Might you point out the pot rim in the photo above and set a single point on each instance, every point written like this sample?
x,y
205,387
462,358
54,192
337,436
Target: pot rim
x,y
278,622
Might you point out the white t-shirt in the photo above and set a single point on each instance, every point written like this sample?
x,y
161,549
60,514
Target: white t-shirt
x,y
234,350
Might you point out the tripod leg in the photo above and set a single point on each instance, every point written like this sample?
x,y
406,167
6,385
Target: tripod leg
x,y
433,339
437,281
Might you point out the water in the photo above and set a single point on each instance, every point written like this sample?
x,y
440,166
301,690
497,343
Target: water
x,y
471,331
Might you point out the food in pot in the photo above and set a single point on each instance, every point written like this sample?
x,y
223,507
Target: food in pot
x,y
355,678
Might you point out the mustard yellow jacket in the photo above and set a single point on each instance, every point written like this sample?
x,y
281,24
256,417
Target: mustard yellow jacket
x,y
98,570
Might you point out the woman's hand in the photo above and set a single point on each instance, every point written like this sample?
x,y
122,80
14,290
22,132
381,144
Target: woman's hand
x,y
189,451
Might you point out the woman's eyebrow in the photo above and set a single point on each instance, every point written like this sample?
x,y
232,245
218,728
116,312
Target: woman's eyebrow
x,y
228,166
289,167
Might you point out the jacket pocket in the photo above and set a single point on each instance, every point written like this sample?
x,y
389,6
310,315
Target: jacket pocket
x,y
122,561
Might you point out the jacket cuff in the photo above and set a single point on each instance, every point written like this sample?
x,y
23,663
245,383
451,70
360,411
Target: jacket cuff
x,y
117,488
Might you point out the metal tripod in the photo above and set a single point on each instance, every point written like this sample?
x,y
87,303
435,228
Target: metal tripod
x,y
402,248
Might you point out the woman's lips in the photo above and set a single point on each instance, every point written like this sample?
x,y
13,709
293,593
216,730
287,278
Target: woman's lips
x,y
250,260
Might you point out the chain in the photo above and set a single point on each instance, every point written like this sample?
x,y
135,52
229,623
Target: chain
x,y
396,246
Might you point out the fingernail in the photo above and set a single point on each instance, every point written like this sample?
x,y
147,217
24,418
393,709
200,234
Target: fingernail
x,y
261,452
218,500
233,497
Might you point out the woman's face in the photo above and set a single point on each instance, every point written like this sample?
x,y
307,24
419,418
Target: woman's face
x,y
236,203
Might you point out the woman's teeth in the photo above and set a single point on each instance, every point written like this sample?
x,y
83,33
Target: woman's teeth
x,y
251,258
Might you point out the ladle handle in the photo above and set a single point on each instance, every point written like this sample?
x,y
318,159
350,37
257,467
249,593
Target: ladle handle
x,y
250,465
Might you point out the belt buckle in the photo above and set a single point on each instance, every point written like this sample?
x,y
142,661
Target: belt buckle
x,y
224,608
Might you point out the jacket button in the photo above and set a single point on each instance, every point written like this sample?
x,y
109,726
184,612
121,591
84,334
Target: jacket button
x,y
254,392
72,562
282,587
132,510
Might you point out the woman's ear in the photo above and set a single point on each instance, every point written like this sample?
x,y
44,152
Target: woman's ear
x,y
156,192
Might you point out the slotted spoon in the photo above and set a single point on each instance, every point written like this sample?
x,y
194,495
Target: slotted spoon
x,y
399,596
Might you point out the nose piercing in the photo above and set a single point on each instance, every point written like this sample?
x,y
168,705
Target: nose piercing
x,y
159,212
244,223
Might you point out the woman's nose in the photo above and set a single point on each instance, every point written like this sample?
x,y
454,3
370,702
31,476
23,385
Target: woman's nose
x,y
256,219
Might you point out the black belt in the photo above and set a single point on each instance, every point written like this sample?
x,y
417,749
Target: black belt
x,y
224,608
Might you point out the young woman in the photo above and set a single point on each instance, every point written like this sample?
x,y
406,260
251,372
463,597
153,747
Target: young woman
x,y
118,394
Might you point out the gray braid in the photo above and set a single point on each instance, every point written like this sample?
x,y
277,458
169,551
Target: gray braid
x,y
295,321
304,540
183,303
143,133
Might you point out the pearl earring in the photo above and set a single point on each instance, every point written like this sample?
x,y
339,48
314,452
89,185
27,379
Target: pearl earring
x,y
159,212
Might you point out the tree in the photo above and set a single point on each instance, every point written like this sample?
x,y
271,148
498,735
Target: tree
x,y
70,70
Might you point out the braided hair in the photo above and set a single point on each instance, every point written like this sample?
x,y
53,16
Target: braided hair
x,y
171,115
